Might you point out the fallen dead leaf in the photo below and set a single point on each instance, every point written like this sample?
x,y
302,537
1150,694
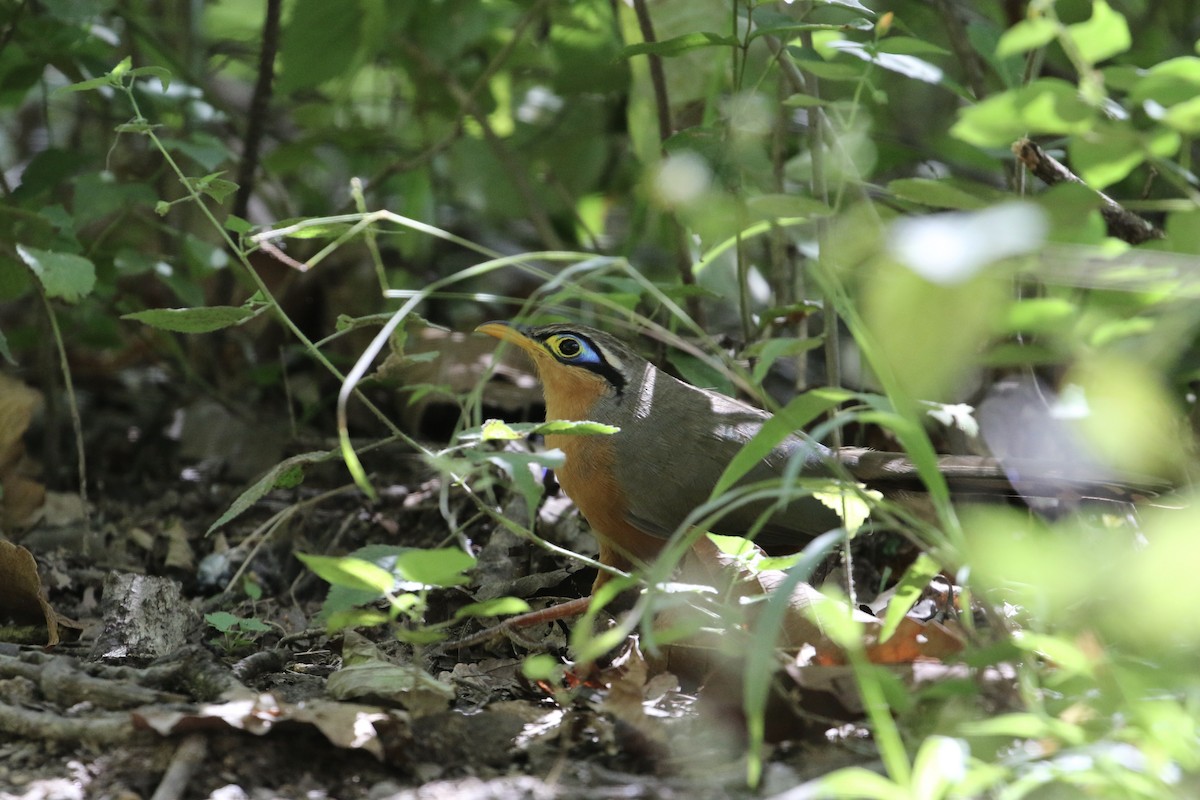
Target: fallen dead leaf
x,y
22,496
21,595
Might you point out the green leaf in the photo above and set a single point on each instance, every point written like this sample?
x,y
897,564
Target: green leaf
x,y
193,320
442,567
859,782
1108,155
1102,36
498,430
768,351
64,276
5,353
1048,105
1040,315
678,44
775,206
281,475
212,185
120,69
579,427
945,193
137,126
223,621
542,667
496,607
1026,35
306,57
82,86
162,73
350,573
802,410
908,591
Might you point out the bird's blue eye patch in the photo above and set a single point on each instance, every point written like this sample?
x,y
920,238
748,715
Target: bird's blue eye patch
x,y
572,349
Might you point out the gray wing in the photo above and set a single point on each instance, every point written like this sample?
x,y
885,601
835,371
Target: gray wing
x,y
673,480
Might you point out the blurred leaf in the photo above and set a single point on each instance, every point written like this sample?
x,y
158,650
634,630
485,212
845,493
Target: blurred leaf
x,y
285,474
678,45
332,30
348,572
64,276
1028,34
1047,105
496,607
441,567
1104,35
908,591
945,193
194,320
698,372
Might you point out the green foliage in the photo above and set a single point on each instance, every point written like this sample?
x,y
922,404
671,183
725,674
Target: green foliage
x,y
237,633
788,159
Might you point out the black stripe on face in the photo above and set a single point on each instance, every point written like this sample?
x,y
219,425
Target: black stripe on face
x,y
603,367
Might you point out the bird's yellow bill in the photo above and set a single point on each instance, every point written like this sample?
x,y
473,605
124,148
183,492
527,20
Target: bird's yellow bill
x,y
507,333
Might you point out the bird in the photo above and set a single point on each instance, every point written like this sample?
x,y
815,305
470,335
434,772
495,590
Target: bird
x,y
637,486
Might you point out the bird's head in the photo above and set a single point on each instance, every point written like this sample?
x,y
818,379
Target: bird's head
x,y
578,365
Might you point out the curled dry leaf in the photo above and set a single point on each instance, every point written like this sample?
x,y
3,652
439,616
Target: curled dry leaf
x,y
22,496
21,595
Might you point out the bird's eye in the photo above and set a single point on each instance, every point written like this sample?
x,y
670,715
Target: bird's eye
x,y
567,347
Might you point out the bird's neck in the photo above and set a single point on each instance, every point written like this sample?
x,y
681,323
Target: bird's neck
x,y
573,394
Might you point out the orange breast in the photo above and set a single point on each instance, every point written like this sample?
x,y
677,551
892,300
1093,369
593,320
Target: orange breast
x,y
588,476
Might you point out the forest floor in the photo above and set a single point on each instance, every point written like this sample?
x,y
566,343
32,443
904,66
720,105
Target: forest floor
x,y
145,695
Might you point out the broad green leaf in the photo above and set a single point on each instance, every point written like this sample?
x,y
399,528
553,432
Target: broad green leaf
x,y
945,193
496,607
678,44
306,55
774,206
139,126
1104,35
193,320
1109,154
282,475
212,185
850,504
82,86
64,276
1048,105
1184,117
1168,82
1028,34
223,621
860,782
498,429
350,573
766,352
908,591
162,73
1040,315
441,567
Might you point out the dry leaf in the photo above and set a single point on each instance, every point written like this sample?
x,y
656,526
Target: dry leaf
x,y
22,496
21,595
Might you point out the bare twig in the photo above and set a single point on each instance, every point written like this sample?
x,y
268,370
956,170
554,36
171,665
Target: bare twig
x,y
256,122
188,758
1122,223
